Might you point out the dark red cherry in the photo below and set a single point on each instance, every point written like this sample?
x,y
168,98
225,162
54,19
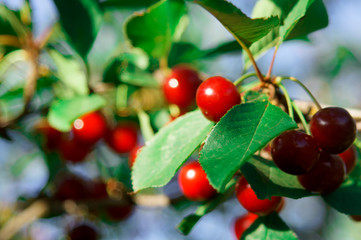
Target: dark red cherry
x,y
98,190
349,157
356,218
73,151
216,96
71,187
89,128
249,200
123,138
52,136
242,223
193,182
295,152
326,176
83,232
119,213
181,85
133,155
334,129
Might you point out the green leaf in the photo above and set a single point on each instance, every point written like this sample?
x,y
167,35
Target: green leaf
x,y
227,47
168,149
245,129
139,78
346,199
243,28
253,96
81,20
21,163
268,228
156,28
63,113
10,23
267,180
128,3
70,72
298,18
187,224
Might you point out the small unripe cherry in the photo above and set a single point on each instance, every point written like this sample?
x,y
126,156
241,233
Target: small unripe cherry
x,y
123,138
181,85
249,200
349,157
89,128
193,182
326,176
243,222
215,96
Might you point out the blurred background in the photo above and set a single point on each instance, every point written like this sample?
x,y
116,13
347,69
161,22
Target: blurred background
x,y
329,65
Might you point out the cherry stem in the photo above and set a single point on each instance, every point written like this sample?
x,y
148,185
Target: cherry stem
x,y
302,118
288,100
250,86
244,77
272,63
293,79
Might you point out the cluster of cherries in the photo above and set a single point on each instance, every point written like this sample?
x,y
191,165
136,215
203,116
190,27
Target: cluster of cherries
x,y
322,160
86,131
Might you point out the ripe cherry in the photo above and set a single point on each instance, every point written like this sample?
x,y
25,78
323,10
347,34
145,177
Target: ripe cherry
x,y
83,232
326,176
356,218
193,182
242,223
216,96
89,128
71,187
181,85
122,138
295,152
333,129
52,136
349,157
119,213
98,190
73,151
249,200
133,155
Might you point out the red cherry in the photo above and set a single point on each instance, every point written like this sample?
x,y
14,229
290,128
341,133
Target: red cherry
x,y
356,218
89,128
242,223
52,136
349,157
326,176
133,155
98,190
181,85
73,151
295,152
83,232
193,182
71,187
119,213
249,200
216,96
123,138
334,129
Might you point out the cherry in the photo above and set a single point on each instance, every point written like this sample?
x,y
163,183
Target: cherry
x,y
295,152
326,176
122,138
193,182
242,223
83,232
181,85
333,129
120,212
349,157
71,187
216,96
356,218
98,190
52,136
133,155
89,128
73,151
249,200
